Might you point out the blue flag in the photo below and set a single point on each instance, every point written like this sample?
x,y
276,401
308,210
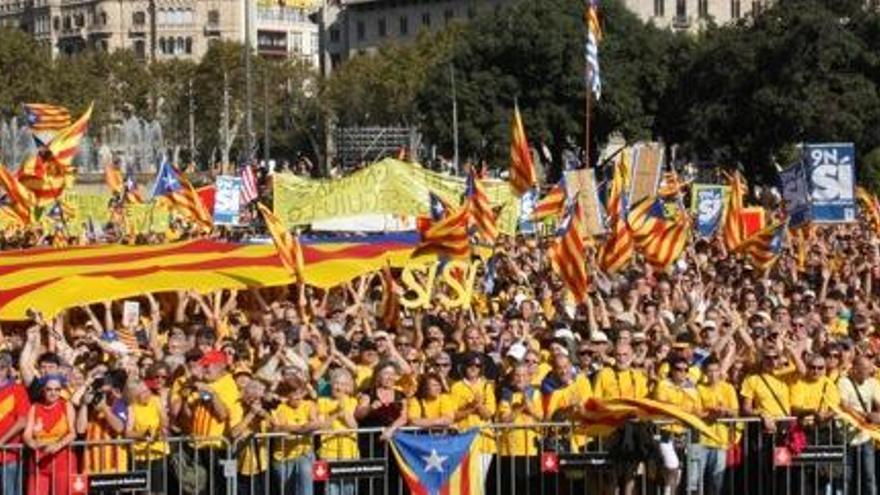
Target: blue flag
x,y
167,181
429,463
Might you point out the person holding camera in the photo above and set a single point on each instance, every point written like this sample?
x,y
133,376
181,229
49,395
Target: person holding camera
x,y
148,424
101,417
251,451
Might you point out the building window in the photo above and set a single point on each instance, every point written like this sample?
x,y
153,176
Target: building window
x,y
404,25
214,17
102,18
659,8
162,48
681,10
189,46
426,19
67,23
140,48
80,20
56,23
334,35
448,15
382,28
313,48
735,9
138,18
756,8
361,30
703,8
296,42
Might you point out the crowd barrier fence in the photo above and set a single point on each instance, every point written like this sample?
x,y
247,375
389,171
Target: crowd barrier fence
x,y
536,459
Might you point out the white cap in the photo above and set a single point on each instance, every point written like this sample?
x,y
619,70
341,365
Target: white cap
x,y
764,315
564,333
599,337
709,324
381,334
627,318
517,351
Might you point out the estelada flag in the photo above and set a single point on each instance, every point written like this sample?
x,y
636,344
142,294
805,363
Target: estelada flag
x,y
288,246
50,170
439,464
522,167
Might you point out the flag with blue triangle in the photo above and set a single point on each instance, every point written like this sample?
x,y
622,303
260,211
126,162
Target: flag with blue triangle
x,y
439,464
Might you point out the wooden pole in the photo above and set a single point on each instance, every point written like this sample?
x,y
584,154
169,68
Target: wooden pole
x,y
587,120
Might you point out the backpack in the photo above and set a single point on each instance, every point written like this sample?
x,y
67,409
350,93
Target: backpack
x,y
633,442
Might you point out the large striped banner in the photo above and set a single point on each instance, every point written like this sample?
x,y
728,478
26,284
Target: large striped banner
x,y
51,280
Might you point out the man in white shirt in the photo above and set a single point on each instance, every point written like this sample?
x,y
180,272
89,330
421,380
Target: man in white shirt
x,y
860,392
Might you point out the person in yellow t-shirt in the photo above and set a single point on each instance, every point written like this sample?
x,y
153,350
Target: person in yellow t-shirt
x,y
250,444
147,425
518,408
336,413
679,390
475,406
431,408
719,401
293,456
813,395
764,394
621,380
213,405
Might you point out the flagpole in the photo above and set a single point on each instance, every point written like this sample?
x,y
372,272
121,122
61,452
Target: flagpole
x,y
588,105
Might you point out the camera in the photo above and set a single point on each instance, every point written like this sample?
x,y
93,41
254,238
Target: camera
x,y
97,395
270,403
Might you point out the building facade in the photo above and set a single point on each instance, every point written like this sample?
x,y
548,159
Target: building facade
x,y
159,29
352,27
690,15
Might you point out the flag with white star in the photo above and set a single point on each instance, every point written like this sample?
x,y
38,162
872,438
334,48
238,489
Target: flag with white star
x,y
439,464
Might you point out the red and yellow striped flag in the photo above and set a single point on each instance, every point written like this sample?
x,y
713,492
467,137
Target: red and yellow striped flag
x,y
50,170
765,246
522,167
113,179
869,207
479,209
21,200
390,304
618,248
447,237
553,204
568,254
287,245
734,231
660,235
46,117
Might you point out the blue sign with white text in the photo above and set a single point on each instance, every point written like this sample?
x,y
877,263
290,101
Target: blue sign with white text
x,y
831,171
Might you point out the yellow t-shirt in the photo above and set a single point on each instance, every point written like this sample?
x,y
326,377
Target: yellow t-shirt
x,y
694,372
543,370
147,418
205,424
519,441
430,408
577,392
293,445
337,445
362,376
253,457
814,395
765,402
722,395
683,396
613,384
463,393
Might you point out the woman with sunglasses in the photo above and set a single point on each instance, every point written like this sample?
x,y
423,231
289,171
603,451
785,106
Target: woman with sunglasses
x,y
475,399
430,408
148,424
48,433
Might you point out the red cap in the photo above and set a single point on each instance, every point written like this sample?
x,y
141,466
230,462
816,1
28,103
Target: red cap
x,y
213,357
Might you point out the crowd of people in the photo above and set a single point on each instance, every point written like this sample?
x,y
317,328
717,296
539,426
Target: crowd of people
x,y
277,378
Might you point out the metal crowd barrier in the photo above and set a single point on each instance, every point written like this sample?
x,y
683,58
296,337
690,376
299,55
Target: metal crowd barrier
x,y
537,459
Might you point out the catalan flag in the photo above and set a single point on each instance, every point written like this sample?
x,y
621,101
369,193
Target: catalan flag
x,y
553,204
180,195
660,229
21,200
439,464
618,248
522,168
50,170
479,208
591,48
448,237
132,191
390,311
870,207
734,231
113,179
765,246
568,253
671,186
45,117
288,246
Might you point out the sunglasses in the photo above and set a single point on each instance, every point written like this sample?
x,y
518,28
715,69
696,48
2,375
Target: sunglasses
x,y
817,367
683,370
531,361
772,358
584,352
444,365
53,389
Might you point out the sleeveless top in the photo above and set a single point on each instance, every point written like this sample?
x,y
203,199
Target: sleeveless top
x,y
384,415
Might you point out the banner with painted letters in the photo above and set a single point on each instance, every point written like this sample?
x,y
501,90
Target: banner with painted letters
x,y
707,204
831,171
796,194
227,202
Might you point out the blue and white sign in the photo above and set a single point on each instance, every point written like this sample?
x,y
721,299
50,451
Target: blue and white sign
x,y
796,194
227,201
526,207
708,204
831,169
